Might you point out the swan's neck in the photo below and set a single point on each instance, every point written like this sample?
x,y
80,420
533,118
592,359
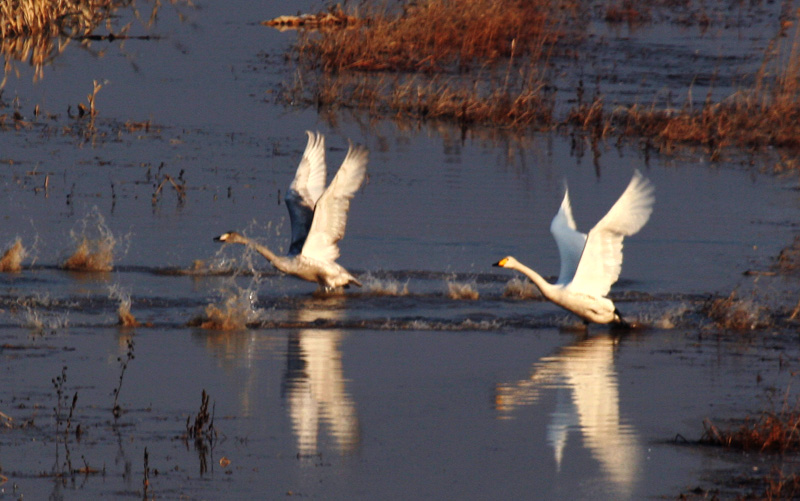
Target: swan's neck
x,y
264,251
547,289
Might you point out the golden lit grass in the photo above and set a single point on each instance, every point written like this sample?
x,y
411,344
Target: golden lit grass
x,y
432,35
776,432
780,486
53,17
766,114
36,31
472,61
334,18
479,62
771,432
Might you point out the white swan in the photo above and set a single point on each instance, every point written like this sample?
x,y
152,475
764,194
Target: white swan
x,y
318,217
591,263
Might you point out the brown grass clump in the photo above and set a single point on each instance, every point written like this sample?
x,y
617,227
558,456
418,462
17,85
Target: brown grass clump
x,y
53,17
12,259
766,114
736,314
474,61
91,255
432,35
334,18
780,486
36,31
772,432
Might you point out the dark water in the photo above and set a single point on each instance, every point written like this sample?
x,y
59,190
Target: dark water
x,y
402,389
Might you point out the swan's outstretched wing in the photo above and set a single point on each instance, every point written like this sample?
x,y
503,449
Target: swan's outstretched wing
x,y
601,261
570,241
330,215
305,190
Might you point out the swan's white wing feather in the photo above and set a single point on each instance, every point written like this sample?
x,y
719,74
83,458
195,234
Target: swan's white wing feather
x,y
330,215
570,241
305,190
601,261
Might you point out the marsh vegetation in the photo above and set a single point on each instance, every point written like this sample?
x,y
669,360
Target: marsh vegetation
x,y
483,64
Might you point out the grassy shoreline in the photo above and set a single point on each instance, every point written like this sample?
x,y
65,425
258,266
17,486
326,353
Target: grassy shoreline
x,y
469,63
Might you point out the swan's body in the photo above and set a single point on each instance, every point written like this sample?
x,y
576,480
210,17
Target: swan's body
x,y
318,217
591,263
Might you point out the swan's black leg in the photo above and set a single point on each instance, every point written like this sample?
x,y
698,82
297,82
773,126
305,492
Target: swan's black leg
x,y
621,322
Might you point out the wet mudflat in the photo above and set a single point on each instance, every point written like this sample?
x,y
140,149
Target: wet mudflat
x,y
442,376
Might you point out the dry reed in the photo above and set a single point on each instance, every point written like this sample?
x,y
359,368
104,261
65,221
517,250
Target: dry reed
x,y
479,62
772,432
765,114
476,62
36,31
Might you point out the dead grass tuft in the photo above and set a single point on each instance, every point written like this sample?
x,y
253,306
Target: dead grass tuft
x,y
36,31
771,432
780,486
335,18
434,35
475,61
765,114
479,62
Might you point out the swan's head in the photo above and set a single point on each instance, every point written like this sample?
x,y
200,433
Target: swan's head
x,y
231,237
506,262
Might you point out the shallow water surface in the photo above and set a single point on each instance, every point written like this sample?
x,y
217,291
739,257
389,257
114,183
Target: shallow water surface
x,y
441,378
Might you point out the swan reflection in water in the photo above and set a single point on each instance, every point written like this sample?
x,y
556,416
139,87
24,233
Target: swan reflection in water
x,y
585,372
314,384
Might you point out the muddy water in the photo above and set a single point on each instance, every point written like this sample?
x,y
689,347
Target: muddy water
x,y
430,382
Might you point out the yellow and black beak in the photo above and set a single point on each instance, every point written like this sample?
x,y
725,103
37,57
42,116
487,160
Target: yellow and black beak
x,y
501,263
222,237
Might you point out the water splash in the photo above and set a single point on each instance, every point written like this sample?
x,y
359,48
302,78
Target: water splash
x,y
32,316
94,245
671,318
733,313
236,310
12,259
462,290
126,318
384,287
247,260
521,289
